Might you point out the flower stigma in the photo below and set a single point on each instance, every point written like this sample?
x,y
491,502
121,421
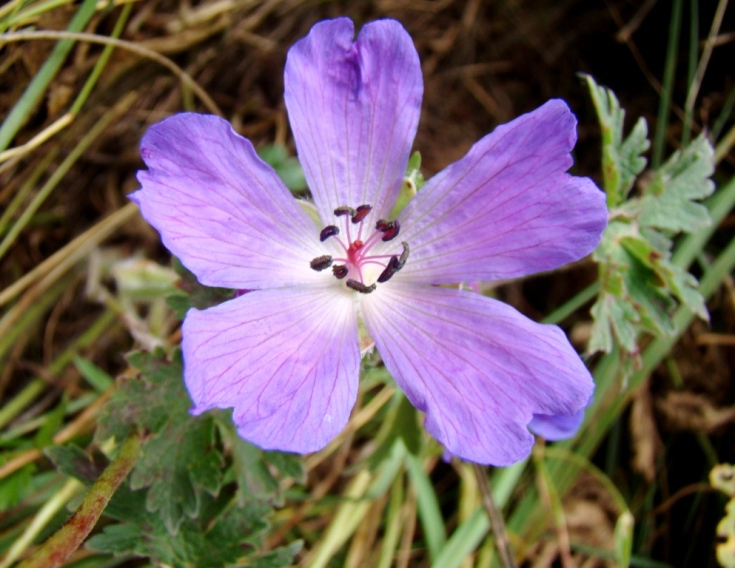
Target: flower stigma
x,y
359,262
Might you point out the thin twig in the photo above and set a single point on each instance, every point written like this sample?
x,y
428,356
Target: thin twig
x,y
496,518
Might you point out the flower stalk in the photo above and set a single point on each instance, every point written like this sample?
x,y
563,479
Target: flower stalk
x,y
497,524
68,538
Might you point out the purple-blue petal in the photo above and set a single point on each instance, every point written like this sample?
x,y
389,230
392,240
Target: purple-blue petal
x,y
222,210
508,208
478,368
556,427
286,360
354,107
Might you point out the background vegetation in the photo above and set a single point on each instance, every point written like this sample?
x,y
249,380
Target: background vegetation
x,y
84,281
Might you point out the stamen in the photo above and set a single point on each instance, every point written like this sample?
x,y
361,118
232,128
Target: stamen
x,y
340,271
360,213
358,251
359,286
328,231
389,228
404,256
390,270
344,210
321,263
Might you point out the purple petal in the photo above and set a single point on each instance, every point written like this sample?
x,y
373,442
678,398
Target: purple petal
x,y
287,360
507,209
478,368
556,427
354,107
221,209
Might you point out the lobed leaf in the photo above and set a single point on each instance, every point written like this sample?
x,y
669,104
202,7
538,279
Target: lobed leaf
x,y
622,159
640,286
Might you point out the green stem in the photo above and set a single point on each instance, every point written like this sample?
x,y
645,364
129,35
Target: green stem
x,y
102,61
692,67
573,304
497,523
662,121
68,538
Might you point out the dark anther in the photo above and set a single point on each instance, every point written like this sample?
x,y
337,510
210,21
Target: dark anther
x,y
390,270
361,212
339,271
359,286
390,228
404,256
328,231
321,263
344,210
394,264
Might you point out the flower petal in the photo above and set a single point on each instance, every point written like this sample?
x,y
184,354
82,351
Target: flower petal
x,y
507,209
478,368
556,427
221,209
287,360
354,107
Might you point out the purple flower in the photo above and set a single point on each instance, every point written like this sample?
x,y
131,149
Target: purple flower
x,y
286,355
557,427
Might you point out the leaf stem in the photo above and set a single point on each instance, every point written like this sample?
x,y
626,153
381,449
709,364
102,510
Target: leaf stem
x,y
68,538
496,518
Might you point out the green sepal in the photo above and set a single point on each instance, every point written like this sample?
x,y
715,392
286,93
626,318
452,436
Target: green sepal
x,y
191,294
413,181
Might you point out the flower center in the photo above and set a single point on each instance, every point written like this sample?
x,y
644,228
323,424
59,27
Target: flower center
x,y
359,259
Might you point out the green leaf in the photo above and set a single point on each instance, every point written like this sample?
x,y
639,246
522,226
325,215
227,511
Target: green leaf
x,y
75,462
254,479
277,558
220,539
180,458
172,465
640,286
118,539
622,160
155,396
668,202
288,465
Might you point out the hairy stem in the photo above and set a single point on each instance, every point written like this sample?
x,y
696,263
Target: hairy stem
x,y
68,538
496,518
